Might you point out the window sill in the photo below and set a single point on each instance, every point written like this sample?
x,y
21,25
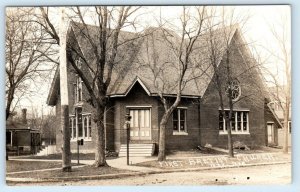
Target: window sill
x,y
180,133
234,133
78,103
85,139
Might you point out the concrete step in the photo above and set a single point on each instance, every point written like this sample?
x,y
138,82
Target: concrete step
x,y
137,150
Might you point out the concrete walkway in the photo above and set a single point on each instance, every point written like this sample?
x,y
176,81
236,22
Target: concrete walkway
x,y
121,163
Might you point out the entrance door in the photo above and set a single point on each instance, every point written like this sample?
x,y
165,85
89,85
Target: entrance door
x,y
270,128
140,126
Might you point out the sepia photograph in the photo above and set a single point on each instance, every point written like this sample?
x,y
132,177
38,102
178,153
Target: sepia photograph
x,y
148,95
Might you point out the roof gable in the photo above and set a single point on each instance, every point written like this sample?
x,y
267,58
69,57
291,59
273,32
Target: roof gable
x,y
131,64
137,80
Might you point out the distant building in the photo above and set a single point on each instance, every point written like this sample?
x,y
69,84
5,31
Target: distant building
x,y
20,137
196,121
275,105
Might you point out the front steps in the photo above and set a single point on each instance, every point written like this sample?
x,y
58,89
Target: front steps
x,y
137,150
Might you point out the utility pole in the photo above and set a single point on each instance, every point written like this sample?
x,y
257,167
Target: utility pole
x,y
66,153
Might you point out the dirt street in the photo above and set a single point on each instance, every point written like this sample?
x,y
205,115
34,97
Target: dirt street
x,y
271,174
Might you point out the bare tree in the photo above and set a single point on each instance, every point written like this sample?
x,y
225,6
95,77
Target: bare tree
x,y
24,53
172,71
104,43
280,79
223,39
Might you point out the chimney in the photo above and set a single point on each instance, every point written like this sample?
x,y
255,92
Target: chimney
x,y
24,119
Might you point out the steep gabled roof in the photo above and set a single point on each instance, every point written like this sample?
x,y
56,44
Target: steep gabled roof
x,y
274,115
53,93
147,55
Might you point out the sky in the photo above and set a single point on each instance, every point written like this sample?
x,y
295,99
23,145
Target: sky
x,y
256,32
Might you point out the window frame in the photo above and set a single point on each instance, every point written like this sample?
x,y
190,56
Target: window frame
x,y
88,124
78,92
11,138
235,130
180,132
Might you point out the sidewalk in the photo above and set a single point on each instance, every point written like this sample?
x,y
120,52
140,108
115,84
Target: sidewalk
x,y
121,163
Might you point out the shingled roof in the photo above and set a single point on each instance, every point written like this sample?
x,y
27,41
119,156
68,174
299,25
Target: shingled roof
x,y
147,57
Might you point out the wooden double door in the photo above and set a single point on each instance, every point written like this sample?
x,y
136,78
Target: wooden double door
x,y
140,124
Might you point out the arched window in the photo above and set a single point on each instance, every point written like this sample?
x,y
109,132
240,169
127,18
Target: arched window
x,y
78,89
70,126
74,128
85,125
90,127
78,85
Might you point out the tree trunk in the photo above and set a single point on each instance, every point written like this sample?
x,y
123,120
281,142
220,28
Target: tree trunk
x,y
229,125
230,144
286,131
162,137
10,98
100,159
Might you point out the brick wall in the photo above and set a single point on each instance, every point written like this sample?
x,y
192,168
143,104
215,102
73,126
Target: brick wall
x,y
192,139
252,98
86,108
136,97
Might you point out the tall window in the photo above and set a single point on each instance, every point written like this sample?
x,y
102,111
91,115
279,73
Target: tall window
x,y
179,120
78,84
78,114
239,122
78,89
87,125
80,125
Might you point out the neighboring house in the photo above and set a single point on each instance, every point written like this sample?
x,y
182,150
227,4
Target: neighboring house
x,y
48,130
21,138
197,119
279,113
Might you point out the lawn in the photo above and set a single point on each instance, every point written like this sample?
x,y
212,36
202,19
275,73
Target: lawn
x,y
195,152
16,166
74,156
87,170
216,161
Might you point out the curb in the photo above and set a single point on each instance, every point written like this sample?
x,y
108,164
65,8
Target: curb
x,y
136,173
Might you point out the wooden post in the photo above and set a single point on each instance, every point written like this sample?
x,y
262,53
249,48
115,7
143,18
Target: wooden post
x,y
128,137
66,153
78,143
127,122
